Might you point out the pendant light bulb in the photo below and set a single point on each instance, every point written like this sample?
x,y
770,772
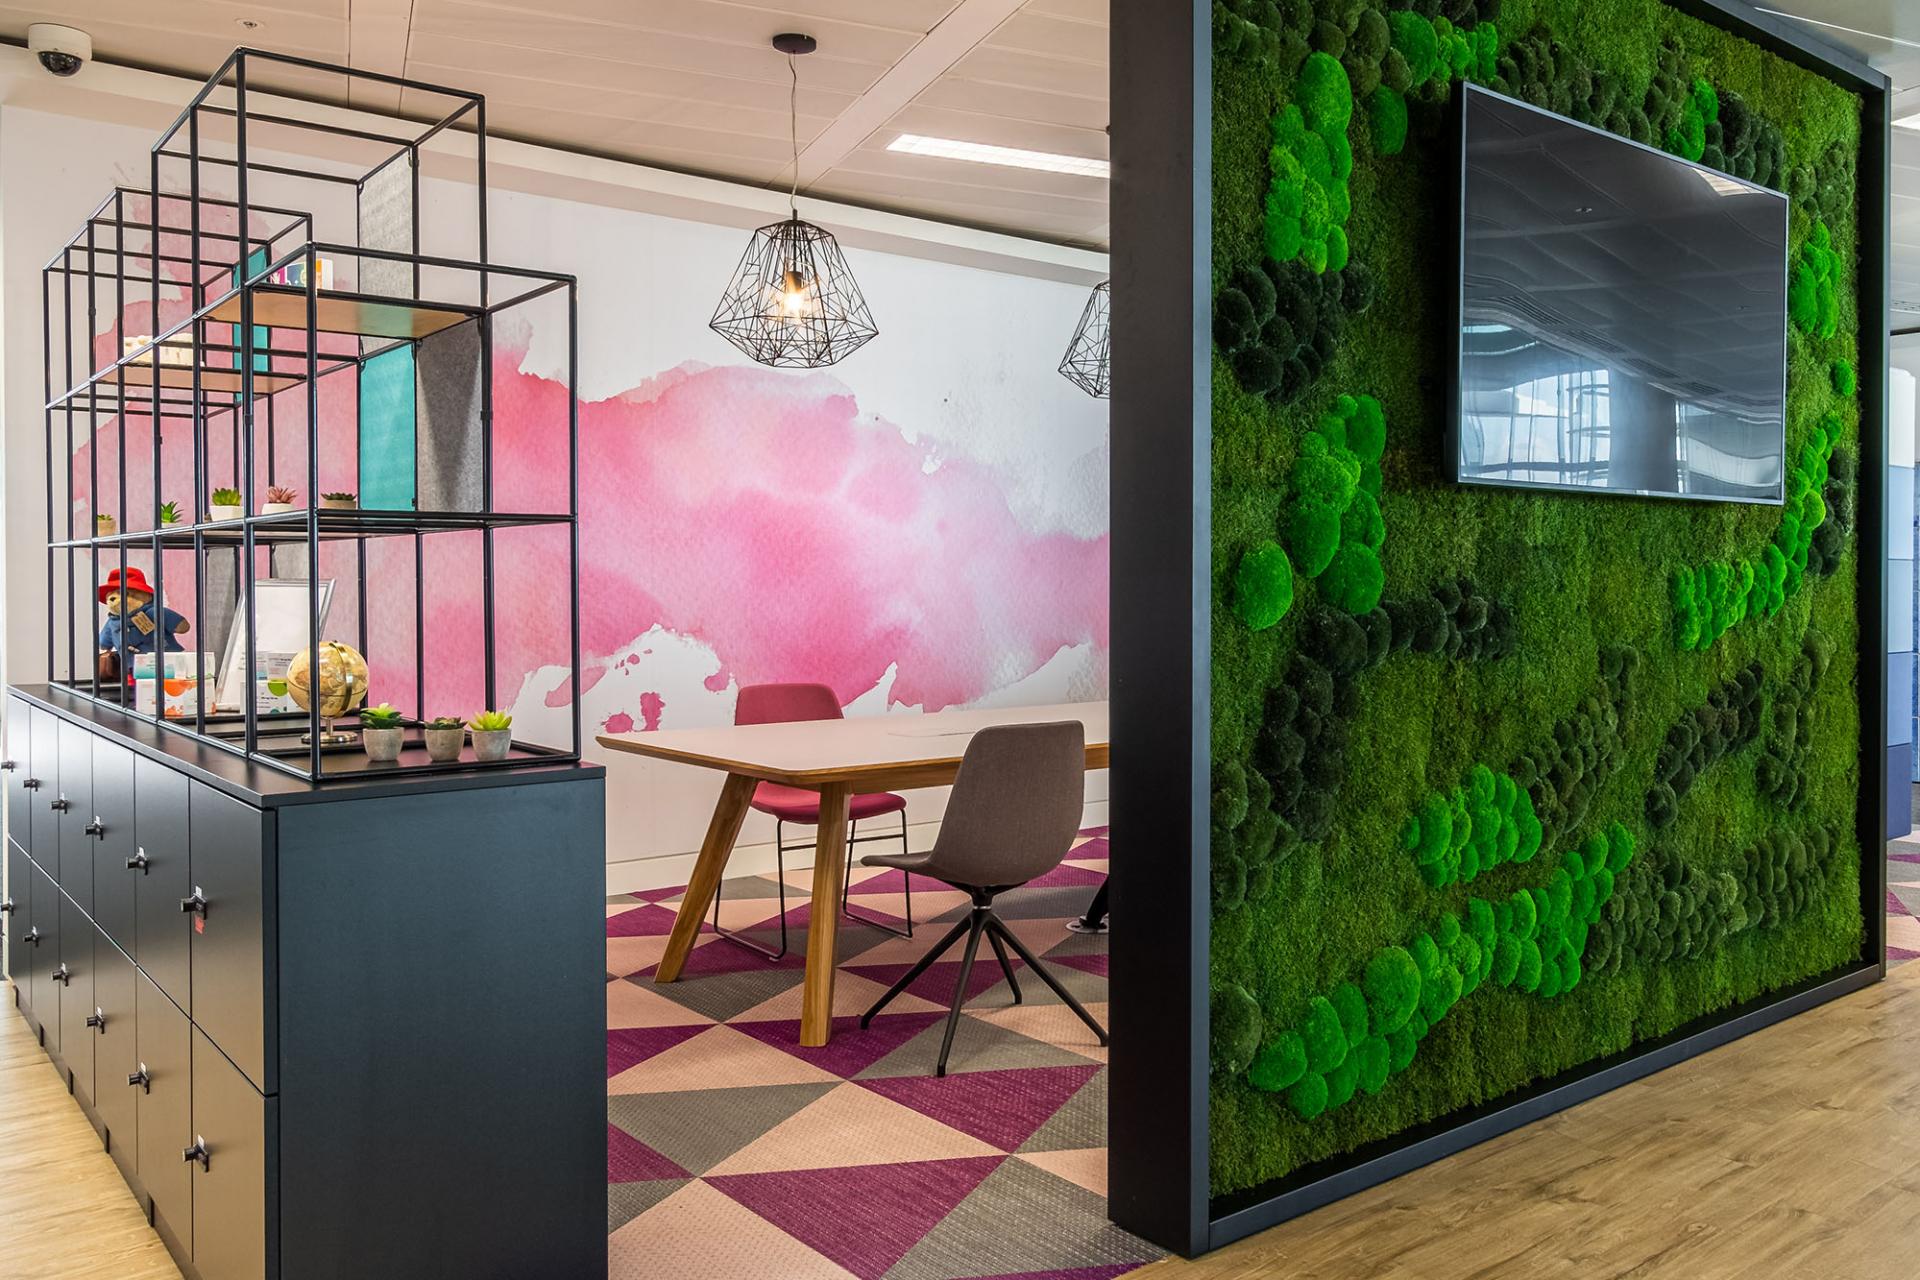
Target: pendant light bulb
x,y
792,302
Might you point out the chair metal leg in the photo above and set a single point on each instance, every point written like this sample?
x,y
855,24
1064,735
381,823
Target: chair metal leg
x,y
1000,950
977,923
779,870
846,886
993,923
920,967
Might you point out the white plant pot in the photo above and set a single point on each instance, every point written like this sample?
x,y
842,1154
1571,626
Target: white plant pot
x,y
275,508
340,504
217,512
382,744
444,745
491,744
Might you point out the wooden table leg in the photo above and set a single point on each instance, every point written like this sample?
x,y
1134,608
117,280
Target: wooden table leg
x,y
823,922
722,831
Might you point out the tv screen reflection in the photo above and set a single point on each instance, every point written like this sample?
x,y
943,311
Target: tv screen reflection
x,y
1623,317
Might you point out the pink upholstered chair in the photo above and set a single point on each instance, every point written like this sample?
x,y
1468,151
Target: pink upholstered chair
x,y
785,703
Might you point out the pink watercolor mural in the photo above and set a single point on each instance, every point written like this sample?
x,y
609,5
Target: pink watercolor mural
x,y
761,515
739,525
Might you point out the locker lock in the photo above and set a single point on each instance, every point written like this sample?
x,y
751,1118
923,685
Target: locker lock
x,y
59,804
138,862
62,975
198,1153
30,784
6,907
33,936
96,827
195,904
8,765
141,1079
98,1020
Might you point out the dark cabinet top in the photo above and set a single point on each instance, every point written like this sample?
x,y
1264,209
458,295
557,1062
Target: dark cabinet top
x,y
259,785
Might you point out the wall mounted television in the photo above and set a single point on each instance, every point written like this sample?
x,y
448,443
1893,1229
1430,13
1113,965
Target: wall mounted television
x,y
1623,315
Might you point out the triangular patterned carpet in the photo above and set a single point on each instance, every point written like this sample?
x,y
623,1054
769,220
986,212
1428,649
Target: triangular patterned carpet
x,y
732,1151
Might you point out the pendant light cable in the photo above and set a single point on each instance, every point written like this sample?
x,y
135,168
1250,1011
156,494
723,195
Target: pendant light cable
x,y
793,132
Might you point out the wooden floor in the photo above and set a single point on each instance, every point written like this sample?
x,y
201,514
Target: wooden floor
x,y
1792,1154
64,1210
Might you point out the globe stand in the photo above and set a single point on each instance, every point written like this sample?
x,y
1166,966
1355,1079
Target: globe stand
x,y
330,734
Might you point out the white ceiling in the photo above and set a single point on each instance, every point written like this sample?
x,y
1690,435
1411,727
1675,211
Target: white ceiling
x,y
695,85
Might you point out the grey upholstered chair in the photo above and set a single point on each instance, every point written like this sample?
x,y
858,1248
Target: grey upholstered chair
x,y
1015,807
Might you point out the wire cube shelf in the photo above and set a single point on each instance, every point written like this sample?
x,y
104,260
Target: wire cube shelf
x,y
248,338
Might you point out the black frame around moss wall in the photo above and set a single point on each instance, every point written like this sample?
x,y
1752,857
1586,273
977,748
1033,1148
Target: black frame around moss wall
x,y
1162,650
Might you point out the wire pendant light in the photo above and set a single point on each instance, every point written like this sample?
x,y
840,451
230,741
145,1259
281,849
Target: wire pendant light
x,y
792,303
1087,364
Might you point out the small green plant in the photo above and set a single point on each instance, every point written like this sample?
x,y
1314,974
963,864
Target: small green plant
x,y
169,513
446,722
384,716
340,497
226,498
280,493
490,721
103,521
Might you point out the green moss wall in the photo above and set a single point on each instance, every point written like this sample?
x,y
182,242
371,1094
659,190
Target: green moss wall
x,y
1504,782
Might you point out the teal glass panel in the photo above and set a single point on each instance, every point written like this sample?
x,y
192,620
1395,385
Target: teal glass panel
x,y
387,431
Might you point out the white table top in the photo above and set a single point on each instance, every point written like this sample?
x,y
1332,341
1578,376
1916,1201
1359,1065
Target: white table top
x,y
893,748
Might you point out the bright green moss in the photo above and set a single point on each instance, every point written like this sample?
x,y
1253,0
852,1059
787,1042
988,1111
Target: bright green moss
x,y
1845,380
1263,586
1279,1064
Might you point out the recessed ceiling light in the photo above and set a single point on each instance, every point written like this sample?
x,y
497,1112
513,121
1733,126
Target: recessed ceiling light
x,y
987,153
1909,121
1835,26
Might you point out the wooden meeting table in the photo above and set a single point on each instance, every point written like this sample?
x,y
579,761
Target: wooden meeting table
x,y
837,758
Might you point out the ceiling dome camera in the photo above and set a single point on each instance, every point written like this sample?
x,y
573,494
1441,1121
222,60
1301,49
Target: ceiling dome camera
x,y
61,50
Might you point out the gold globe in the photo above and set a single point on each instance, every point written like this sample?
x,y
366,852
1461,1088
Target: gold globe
x,y
343,679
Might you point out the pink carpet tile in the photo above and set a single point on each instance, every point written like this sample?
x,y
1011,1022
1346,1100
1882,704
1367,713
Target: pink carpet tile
x,y
732,1151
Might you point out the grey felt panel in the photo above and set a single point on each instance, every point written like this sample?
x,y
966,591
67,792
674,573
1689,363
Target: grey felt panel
x,y
448,371
386,222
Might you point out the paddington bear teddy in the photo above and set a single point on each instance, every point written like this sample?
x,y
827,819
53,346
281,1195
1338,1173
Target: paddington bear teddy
x,y
134,622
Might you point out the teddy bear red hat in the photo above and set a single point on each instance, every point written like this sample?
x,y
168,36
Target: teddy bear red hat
x,y
136,581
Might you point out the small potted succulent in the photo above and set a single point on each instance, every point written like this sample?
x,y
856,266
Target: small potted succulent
x,y
445,736
169,513
492,735
340,501
224,504
279,499
104,526
381,731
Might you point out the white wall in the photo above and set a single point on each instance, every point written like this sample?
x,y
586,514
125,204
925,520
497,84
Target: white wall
x,y
963,370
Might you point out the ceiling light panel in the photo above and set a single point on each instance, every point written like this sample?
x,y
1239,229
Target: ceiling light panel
x,y
1008,157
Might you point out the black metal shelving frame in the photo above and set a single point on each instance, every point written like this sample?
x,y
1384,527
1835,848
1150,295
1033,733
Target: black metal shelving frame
x,y
251,341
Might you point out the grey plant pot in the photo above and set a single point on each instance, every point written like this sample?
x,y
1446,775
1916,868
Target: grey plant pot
x,y
382,744
491,744
444,745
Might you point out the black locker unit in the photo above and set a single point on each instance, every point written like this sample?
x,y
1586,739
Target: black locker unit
x,y
40,827
43,963
77,1020
163,933
301,1017
111,843
72,808
116,1056
16,905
